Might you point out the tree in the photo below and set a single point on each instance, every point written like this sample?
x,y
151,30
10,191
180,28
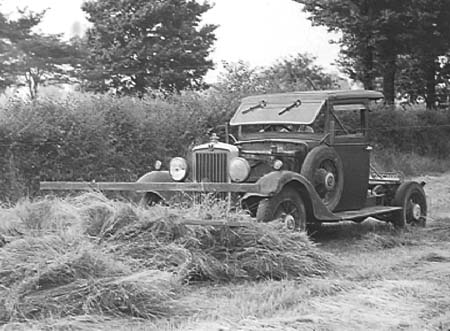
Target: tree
x,y
430,31
295,73
10,33
379,37
239,79
32,59
373,34
139,44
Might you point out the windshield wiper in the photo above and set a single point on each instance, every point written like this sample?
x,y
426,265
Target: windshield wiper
x,y
262,104
297,103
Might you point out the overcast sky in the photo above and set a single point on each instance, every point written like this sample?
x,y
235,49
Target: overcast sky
x,y
256,31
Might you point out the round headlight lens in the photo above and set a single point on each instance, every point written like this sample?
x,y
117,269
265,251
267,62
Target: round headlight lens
x,y
239,169
277,164
178,168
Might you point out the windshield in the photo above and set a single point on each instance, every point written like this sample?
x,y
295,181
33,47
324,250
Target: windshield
x,y
295,108
318,126
282,128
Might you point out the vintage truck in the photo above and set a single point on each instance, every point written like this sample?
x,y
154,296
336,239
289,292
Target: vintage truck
x,y
300,158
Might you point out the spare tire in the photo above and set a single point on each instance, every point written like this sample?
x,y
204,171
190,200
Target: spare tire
x,y
323,168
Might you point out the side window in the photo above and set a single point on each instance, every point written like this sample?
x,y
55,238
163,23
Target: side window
x,y
348,119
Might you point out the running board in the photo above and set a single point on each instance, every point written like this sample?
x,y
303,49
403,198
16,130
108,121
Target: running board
x,y
365,212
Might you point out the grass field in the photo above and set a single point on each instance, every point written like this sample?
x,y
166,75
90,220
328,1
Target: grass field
x,y
352,276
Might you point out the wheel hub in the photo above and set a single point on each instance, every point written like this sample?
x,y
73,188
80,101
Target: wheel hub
x,y
416,212
330,181
289,222
325,179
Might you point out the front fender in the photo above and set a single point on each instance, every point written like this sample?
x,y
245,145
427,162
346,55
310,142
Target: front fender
x,y
157,177
275,181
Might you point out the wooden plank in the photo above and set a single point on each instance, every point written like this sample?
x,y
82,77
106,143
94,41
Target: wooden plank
x,y
145,187
366,212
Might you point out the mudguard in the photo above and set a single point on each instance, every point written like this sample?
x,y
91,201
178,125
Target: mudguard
x,y
274,182
157,177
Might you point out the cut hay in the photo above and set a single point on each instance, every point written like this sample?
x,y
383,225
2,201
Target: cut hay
x,y
91,255
145,295
258,252
49,261
102,217
201,253
10,224
48,215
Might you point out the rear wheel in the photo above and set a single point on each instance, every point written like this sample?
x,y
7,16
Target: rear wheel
x,y
287,207
411,197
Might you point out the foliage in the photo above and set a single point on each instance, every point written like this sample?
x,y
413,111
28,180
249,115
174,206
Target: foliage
x,y
136,45
86,137
33,59
372,36
376,33
10,33
295,73
414,131
430,29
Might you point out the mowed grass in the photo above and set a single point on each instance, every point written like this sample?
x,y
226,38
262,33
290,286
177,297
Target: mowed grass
x,y
376,277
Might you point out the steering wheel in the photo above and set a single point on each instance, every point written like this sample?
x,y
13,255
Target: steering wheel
x,y
274,127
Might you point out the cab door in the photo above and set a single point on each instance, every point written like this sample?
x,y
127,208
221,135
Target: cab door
x,y
350,140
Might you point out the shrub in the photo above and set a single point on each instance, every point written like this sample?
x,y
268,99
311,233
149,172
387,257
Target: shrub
x,y
86,137
106,138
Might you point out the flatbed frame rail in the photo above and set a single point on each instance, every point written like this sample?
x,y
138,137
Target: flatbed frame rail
x,y
147,187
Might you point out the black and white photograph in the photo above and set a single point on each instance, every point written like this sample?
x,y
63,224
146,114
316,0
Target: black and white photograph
x,y
224,165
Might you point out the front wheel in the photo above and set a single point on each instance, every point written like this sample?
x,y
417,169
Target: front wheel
x,y
150,199
286,207
411,197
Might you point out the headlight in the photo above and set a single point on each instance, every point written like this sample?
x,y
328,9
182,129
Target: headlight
x,y
239,169
178,169
277,164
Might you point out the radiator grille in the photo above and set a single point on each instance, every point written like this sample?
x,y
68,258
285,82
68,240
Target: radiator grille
x,y
211,167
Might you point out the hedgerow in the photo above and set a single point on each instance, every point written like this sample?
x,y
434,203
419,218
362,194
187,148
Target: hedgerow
x,y
86,136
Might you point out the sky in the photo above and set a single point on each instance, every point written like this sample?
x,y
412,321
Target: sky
x,y
259,32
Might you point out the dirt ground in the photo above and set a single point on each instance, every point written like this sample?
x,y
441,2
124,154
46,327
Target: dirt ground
x,y
383,280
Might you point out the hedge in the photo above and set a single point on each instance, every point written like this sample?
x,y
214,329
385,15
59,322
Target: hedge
x,y
101,137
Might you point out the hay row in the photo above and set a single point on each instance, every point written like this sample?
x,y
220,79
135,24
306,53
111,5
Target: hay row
x,y
91,255
145,295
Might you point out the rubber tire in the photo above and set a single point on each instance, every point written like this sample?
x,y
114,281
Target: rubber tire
x,y
268,207
312,162
402,196
150,199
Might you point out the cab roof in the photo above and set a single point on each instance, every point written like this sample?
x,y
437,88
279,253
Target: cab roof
x,y
292,107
